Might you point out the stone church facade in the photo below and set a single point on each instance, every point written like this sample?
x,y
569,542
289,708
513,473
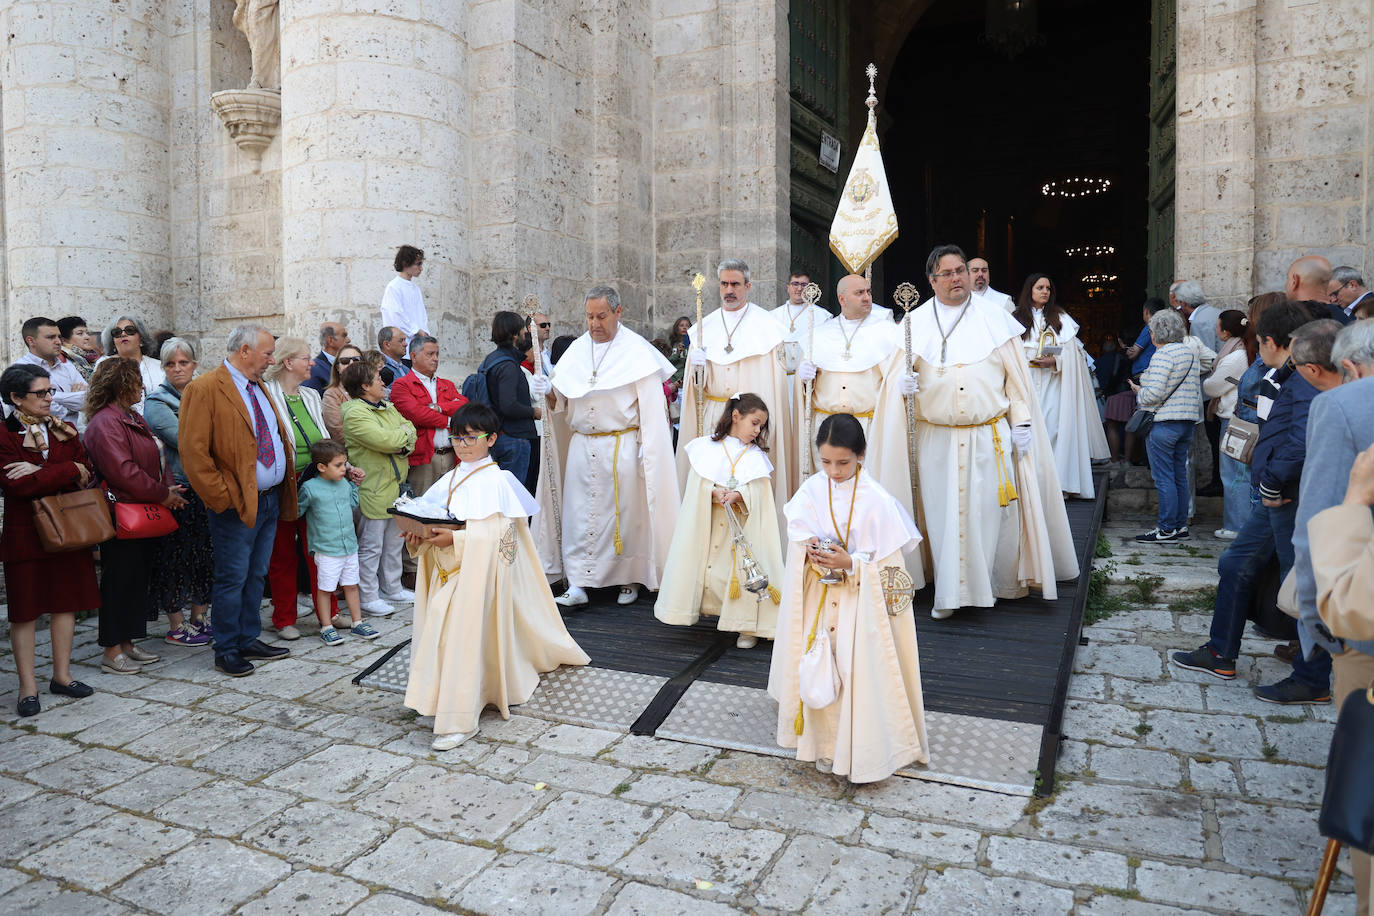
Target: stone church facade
x,y
541,147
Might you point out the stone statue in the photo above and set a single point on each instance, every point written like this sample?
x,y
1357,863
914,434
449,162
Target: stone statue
x,y
257,20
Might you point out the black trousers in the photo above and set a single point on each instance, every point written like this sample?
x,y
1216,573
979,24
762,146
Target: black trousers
x,y
126,569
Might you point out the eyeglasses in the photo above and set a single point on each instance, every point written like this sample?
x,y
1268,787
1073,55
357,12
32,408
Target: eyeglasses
x,y
44,393
544,324
347,360
949,274
124,332
1337,291
797,283
470,440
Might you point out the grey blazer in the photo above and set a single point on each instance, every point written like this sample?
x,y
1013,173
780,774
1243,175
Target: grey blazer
x,y
1340,425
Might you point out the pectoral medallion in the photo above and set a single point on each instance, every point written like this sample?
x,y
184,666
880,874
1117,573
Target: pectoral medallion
x,y
732,483
729,348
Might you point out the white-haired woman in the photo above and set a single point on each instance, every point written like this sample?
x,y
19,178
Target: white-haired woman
x,y
302,408
184,570
127,336
1172,390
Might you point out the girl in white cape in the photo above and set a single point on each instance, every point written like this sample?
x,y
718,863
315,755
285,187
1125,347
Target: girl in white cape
x,y
845,671
702,574
485,622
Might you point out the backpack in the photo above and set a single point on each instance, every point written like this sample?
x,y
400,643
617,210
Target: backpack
x,y
475,387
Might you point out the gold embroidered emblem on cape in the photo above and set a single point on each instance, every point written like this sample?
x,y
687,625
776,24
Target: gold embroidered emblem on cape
x,y
897,589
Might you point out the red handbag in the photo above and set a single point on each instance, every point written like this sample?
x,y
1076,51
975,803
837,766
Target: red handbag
x,y
134,521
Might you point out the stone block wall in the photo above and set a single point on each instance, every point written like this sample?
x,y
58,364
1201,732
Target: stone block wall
x,y
1273,150
86,108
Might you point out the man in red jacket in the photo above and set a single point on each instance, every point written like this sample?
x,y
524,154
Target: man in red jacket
x,y
427,401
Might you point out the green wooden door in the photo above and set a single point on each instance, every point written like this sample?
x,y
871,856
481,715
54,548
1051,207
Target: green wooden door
x,y
1163,56
819,41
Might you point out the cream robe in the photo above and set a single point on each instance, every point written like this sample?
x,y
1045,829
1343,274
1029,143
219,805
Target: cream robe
x,y
845,385
485,623
796,327
1068,404
755,364
696,580
877,724
606,479
979,550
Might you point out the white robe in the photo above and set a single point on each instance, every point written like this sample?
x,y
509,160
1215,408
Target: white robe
x,y
753,364
610,486
702,560
876,725
980,550
485,622
851,358
1068,403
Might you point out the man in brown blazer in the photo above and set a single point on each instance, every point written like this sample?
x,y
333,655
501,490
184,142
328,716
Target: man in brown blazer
x,y
233,448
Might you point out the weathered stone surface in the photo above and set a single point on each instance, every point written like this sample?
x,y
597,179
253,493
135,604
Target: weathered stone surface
x,y
28,752
418,864
574,739
42,896
937,801
1283,783
191,737
643,900
571,773
89,772
787,812
478,808
951,891
37,821
392,905
931,842
226,875
307,893
684,850
74,717
654,754
817,875
1205,887
1248,832
1203,733
1217,776
687,794
1057,862
315,833
518,883
107,853
338,772
1125,818
584,829
267,749
226,807
1101,722
1132,765
1140,662
776,773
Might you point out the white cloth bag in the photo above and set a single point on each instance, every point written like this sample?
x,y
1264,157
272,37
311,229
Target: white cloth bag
x,y
819,677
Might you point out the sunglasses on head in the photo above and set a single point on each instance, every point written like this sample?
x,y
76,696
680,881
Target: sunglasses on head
x,y
124,332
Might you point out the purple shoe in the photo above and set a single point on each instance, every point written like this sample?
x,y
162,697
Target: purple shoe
x,y
187,636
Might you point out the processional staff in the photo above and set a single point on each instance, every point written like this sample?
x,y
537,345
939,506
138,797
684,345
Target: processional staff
x,y
906,297
812,295
531,305
699,372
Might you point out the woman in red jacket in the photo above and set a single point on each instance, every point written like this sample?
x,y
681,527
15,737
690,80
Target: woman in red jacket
x,y
41,456
125,454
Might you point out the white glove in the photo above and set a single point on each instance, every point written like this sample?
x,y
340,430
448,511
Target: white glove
x,y
1021,438
539,384
697,357
806,370
908,384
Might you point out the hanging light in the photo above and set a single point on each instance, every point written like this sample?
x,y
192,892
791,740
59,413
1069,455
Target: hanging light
x,y
1079,186
1011,26
1089,251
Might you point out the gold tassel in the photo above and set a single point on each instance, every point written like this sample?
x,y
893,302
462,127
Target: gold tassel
x,y
1011,491
734,576
775,594
800,723
620,545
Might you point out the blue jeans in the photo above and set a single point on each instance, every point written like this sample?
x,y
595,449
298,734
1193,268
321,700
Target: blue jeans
x,y
512,454
1167,446
241,558
1235,486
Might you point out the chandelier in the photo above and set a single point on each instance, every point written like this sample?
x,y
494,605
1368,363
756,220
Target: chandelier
x,y
1089,251
1081,186
1011,27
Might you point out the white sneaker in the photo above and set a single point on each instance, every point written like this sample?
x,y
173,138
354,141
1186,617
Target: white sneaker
x,y
1225,534
629,594
746,642
404,596
449,742
341,622
573,597
943,613
288,632
378,608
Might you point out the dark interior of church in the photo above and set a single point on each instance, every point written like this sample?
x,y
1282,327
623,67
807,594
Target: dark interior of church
x,y
1019,130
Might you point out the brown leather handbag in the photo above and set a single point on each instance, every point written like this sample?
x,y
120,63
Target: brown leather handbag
x,y
71,521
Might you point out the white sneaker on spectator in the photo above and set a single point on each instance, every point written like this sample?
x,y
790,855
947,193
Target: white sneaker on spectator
x,y
404,596
288,632
1225,534
378,608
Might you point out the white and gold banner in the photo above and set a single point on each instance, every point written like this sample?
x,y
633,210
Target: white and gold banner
x,y
865,222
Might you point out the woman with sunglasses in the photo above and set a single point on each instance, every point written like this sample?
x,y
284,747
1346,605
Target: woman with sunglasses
x,y
127,336
41,456
331,401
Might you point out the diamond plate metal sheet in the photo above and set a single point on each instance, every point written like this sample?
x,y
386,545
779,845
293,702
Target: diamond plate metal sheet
x,y
989,754
392,675
594,697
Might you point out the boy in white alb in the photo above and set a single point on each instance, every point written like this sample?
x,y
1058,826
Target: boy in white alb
x,y
403,305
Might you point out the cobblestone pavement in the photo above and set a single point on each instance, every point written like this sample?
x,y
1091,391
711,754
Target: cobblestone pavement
x,y
291,791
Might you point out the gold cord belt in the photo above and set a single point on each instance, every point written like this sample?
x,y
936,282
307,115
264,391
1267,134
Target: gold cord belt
x,y
615,476
1006,490
866,415
712,397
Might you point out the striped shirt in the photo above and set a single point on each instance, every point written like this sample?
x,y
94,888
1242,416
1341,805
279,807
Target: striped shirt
x,y
1172,365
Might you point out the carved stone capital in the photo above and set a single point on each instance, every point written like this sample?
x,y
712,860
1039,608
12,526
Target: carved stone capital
x,y
252,116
